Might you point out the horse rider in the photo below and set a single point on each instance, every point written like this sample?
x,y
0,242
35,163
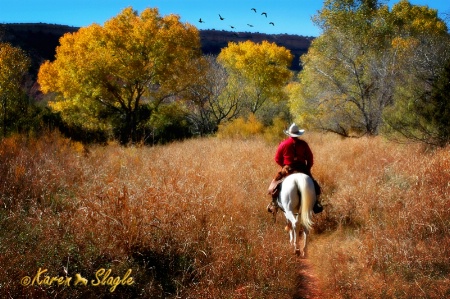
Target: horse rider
x,y
293,155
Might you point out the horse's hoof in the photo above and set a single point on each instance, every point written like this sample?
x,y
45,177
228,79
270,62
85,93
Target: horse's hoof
x,y
288,227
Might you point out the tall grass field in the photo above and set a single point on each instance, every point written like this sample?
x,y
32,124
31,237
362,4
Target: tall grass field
x,y
189,220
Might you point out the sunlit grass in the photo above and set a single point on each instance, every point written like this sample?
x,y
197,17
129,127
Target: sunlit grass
x,y
189,219
391,204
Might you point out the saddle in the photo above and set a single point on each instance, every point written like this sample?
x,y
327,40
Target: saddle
x,y
275,185
275,188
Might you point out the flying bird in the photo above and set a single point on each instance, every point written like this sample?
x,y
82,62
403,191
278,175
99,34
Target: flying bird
x,y
264,13
271,23
250,25
221,18
201,21
232,27
254,9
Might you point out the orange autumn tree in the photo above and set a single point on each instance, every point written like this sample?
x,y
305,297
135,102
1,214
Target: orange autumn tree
x,y
261,69
115,77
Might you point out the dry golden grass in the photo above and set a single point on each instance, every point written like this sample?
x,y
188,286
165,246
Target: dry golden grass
x,y
390,205
189,219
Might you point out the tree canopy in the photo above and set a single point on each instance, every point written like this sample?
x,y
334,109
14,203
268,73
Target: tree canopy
x,y
14,64
261,69
212,99
113,77
353,71
422,96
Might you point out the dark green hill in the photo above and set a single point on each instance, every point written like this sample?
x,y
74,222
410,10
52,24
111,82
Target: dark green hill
x,y
213,41
40,40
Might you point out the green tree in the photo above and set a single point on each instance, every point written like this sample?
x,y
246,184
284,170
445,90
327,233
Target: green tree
x,y
14,65
421,103
213,98
349,71
352,72
260,71
116,76
439,112
422,112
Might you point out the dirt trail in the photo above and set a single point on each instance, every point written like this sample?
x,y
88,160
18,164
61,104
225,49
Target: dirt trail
x,y
307,284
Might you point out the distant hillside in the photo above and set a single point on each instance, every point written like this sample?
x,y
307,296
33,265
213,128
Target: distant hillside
x,y
40,40
213,41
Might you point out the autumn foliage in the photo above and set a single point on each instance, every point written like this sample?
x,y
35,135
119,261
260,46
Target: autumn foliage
x,y
263,67
371,69
114,77
189,219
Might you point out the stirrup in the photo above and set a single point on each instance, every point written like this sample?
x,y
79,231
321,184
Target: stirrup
x,y
272,208
318,208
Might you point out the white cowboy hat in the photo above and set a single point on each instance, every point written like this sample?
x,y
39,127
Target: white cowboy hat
x,y
294,131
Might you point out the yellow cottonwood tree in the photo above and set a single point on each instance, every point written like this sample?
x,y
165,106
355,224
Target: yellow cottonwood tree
x,y
263,68
115,76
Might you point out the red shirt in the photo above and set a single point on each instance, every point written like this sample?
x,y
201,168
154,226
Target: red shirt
x,y
294,151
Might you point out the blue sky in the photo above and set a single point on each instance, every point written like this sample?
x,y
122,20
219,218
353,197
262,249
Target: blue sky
x,y
288,16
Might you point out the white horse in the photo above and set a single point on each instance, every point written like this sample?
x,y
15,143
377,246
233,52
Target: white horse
x,y
297,198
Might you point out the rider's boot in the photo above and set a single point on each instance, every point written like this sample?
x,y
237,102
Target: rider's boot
x,y
318,208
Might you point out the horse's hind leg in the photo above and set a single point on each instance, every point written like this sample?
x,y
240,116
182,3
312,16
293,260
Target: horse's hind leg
x,y
298,250
293,230
288,228
305,241
296,232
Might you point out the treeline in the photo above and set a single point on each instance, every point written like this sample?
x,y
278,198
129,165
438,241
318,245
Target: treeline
x,y
142,78
376,70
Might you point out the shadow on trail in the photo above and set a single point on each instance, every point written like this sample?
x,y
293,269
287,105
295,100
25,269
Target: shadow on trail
x,y
306,283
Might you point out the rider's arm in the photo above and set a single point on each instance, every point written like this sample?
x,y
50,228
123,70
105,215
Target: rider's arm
x,y
279,155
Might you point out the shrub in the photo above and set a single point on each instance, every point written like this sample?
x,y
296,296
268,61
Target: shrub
x,y
241,128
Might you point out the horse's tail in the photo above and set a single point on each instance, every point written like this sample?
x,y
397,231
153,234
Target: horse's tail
x,y
308,199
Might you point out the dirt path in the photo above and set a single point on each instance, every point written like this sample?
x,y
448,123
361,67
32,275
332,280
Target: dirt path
x,y
307,283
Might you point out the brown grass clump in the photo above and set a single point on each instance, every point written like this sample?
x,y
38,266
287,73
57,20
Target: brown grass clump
x,y
189,220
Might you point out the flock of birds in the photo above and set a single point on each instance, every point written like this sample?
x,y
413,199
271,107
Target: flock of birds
x,y
250,25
